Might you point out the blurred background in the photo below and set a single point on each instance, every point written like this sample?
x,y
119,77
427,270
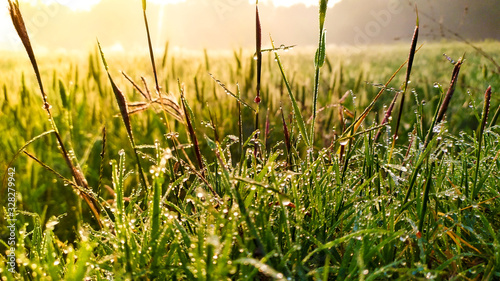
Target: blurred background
x,y
74,25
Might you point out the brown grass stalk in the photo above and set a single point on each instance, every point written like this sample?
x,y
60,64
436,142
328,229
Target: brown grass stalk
x,y
449,93
192,134
124,111
18,21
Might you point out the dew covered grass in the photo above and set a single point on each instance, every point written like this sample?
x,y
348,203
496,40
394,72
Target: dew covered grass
x,y
187,184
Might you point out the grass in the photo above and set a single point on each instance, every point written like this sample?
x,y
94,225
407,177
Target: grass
x,y
186,188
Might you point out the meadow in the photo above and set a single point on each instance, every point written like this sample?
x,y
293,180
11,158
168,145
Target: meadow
x,y
238,166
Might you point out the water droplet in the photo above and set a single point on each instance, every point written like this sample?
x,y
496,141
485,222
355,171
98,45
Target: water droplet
x,y
46,106
437,128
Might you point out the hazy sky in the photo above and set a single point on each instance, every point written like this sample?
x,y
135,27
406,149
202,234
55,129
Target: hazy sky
x,y
88,4
7,33
229,24
39,19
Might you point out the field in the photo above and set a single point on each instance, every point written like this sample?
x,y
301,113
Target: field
x,y
203,182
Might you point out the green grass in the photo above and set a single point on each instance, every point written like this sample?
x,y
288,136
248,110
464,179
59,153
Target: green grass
x,y
254,205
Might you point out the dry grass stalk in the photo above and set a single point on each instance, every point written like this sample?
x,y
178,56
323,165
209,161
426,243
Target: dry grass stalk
x,y
192,134
167,102
18,21
411,57
449,93
123,106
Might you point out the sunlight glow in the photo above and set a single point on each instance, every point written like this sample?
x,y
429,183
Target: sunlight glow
x,y
86,5
166,1
308,3
81,5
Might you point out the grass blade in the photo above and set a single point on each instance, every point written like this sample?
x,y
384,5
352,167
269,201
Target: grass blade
x,y
286,134
20,150
480,131
122,104
18,21
319,61
101,165
405,86
237,97
296,110
258,53
428,186
451,90
439,115
188,113
150,45
495,117
368,109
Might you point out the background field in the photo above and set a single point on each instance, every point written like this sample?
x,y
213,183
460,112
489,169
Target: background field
x,y
296,210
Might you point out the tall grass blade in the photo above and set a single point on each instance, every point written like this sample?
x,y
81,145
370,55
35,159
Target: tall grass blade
x,y
101,166
368,109
165,55
122,105
18,21
150,45
451,90
405,86
495,117
214,125
237,97
480,132
19,151
48,168
428,186
240,125
83,192
258,54
288,143
484,119
267,130
387,114
418,165
319,61
188,113
296,110
145,94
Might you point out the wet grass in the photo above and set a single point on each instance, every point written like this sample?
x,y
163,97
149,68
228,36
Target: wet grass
x,y
186,188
